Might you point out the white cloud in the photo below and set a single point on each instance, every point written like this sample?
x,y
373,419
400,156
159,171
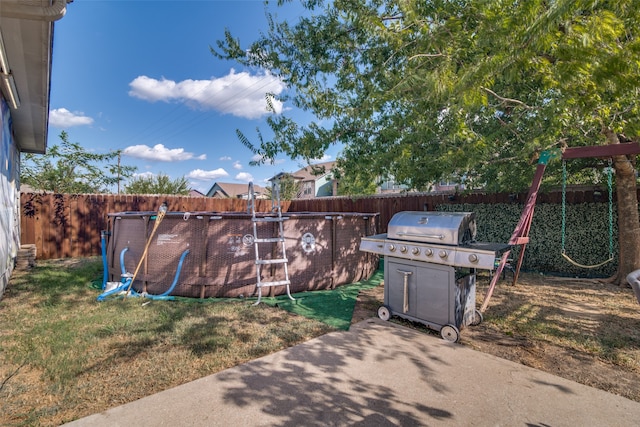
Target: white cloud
x,y
63,118
240,94
244,177
225,159
202,175
237,165
324,158
160,153
145,175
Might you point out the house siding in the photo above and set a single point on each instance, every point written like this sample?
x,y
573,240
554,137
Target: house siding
x,y
9,196
324,186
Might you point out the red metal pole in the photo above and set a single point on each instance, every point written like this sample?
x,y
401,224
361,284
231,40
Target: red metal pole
x,y
520,235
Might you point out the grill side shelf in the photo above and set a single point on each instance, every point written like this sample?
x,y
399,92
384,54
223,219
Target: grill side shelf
x,y
374,244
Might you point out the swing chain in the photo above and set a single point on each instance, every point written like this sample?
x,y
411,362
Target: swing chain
x,y
564,197
564,213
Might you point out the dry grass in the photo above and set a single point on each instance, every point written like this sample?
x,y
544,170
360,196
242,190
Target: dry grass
x,y
64,355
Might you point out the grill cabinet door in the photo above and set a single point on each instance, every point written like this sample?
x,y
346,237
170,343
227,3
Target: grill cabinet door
x,y
429,290
434,301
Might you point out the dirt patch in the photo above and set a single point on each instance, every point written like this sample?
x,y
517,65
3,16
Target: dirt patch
x,y
583,330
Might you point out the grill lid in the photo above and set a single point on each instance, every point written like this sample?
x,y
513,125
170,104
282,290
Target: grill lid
x,y
448,228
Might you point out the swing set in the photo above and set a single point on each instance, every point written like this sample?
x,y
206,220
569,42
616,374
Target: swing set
x,y
564,218
520,235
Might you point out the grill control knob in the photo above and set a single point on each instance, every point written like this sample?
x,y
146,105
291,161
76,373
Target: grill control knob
x,y
473,258
428,252
392,247
443,254
415,251
403,249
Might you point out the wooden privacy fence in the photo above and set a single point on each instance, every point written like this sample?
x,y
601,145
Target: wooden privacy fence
x,y
69,225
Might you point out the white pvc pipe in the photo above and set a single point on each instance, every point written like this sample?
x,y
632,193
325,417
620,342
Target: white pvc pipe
x,y
9,84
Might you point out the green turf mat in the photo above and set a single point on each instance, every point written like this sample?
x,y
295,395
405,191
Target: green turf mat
x,y
333,307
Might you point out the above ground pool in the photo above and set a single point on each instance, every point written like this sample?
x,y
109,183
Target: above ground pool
x,y
211,254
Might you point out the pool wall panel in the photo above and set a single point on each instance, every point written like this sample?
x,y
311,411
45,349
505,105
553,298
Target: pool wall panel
x,y
322,251
309,263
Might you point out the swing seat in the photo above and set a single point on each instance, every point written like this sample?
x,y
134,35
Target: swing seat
x,y
577,264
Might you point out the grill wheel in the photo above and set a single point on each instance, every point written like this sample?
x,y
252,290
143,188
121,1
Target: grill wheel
x,y
384,313
450,333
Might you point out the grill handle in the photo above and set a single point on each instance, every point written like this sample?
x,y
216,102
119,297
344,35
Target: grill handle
x,y
405,302
429,236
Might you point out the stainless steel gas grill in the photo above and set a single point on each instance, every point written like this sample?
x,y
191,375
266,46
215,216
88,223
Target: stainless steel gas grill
x,y
430,263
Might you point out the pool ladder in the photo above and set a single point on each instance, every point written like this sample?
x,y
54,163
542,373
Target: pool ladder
x,y
278,239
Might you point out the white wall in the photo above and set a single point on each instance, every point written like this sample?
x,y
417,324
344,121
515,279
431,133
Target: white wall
x,y
9,197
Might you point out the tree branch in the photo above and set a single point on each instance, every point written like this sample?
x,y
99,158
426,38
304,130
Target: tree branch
x,y
392,17
506,100
510,129
427,55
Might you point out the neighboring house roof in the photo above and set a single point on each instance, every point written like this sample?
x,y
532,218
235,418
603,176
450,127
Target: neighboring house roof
x,y
26,188
308,173
314,172
195,193
26,43
282,175
225,190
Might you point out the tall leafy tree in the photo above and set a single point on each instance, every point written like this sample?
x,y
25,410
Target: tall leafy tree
x,y
157,184
289,188
70,168
431,90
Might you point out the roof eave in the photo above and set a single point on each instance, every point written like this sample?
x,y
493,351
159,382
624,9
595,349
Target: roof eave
x,y
27,32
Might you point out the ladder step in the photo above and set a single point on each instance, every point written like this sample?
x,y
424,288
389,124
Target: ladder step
x,y
269,240
277,283
269,219
272,261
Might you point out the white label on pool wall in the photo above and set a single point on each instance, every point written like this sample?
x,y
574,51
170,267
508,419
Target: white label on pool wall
x,y
308,243
164,239
236,244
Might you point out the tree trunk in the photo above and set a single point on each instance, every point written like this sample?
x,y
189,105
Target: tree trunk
x,y
628,220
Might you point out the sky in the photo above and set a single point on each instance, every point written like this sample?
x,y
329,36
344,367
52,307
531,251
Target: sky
x,y
138,76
